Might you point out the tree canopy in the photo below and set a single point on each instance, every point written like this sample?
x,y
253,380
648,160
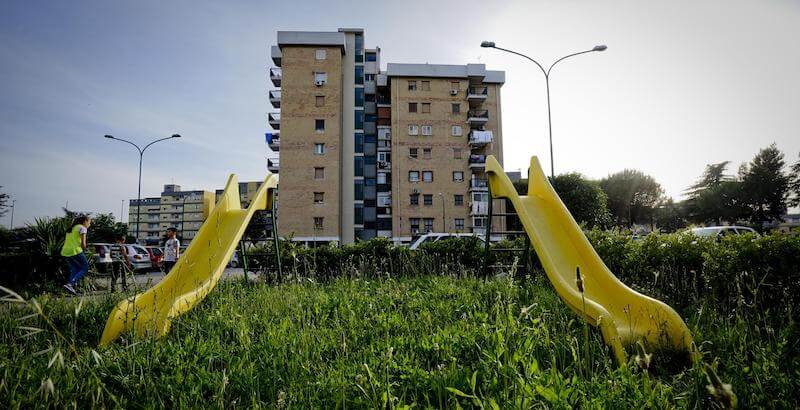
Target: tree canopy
x,y
584,199
765,186
632,196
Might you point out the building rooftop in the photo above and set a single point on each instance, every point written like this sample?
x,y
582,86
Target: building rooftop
x,y
311,38
445,71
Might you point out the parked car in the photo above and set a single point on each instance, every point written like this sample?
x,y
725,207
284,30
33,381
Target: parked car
x,y
102,256
717,232
139,257
156,256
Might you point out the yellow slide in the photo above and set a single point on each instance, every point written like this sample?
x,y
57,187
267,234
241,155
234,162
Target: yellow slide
x,y
198,269
623,315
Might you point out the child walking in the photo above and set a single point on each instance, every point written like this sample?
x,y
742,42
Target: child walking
x,y
73,250
172,250
120,264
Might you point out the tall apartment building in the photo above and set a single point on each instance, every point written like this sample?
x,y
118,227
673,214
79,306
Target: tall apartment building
x,y
182,210
366,153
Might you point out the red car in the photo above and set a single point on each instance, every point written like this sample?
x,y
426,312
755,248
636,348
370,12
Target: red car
x,y
156,256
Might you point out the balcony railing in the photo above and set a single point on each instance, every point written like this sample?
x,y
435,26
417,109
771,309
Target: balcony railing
x,y
275,74
477,93
478,184
478,116
275,98
275,51
275,120
479,208
479,138
273,164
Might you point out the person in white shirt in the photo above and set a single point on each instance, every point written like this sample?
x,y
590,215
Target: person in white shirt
x,y
172,249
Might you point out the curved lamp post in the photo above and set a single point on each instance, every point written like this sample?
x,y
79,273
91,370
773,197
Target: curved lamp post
x,y
490,44
139,191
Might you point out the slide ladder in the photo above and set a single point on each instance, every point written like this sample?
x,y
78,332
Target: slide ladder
x,y
623,315
198,269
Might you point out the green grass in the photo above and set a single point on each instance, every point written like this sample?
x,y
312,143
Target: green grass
x,y
430,342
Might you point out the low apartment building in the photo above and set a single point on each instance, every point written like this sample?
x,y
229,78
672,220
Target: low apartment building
x,y
365,153
183,210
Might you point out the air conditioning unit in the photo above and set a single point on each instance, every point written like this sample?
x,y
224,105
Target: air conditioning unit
x,y
453,92
319,83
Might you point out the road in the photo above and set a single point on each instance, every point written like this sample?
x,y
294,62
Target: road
x,y
147,280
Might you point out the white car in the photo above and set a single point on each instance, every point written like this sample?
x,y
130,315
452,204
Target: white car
x,y
139,257
101,256
435,237
717,232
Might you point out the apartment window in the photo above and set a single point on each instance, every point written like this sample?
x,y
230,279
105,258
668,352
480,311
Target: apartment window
x,y
318,222
456,131
456,153
427,199
426,153
456,107
427,130
359,165
412,152
458,176
412,107
358,186
372,57
413,199
478,222
413,129
428,224
413,176
458,200
412,85
455,85
320,78
320,54
384,157
359,142
359,119
427,176
414,222
426,107
359,73
459,223
319,173
426,85
319,148
359,98
319,125
319,197
358,217
320,101
383,178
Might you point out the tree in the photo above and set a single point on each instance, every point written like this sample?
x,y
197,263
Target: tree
x,y
4,197
765,187
584,199
715,197
670,216
795,183
632,196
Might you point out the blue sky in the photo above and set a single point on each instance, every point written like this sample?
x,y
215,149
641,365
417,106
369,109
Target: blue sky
x,y
682,84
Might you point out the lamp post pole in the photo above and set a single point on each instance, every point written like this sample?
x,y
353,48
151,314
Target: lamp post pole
x,y
13,204
490,44
139,190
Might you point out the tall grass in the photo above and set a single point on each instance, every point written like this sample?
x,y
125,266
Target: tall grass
x,y
428,341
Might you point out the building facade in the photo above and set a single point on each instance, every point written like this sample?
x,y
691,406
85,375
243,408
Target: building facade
x,y
366,153
183,210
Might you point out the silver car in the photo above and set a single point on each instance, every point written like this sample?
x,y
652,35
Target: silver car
x,y
717,232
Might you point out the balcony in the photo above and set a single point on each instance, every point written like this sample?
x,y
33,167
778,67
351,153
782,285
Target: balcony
x,y
275,74
477,94
275,120
369,87
479,138
479,208
276,54
478,117
477,184
370,108
273,164
477,161
384,165
274,141
275,98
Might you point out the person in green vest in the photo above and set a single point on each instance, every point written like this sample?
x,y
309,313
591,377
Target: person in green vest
x,y
73,251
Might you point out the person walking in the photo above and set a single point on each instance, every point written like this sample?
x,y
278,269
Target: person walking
x,y
172,250
120,263
73,250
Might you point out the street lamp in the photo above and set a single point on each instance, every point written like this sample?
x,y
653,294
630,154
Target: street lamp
x,y
13,203
490,44
139,191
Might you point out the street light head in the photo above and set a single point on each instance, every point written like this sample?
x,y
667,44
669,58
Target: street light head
x,y
487,44
601,47
108,136
176,135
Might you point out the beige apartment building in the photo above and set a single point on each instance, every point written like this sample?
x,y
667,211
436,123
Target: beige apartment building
x,y
365,152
